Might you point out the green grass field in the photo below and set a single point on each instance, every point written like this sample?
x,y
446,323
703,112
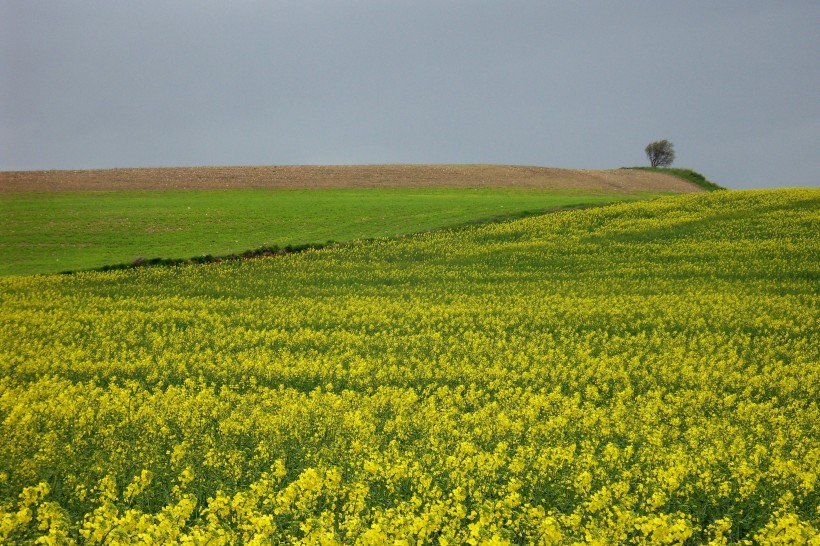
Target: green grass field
x,y
60,231
640,373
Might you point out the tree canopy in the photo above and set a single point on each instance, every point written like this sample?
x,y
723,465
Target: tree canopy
x,y
661,153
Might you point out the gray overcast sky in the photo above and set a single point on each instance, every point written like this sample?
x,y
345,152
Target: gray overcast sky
x,y
735,85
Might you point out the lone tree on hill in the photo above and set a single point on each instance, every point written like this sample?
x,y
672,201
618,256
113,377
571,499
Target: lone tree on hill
x,y
660,153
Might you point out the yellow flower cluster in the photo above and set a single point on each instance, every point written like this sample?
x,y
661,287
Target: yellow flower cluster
x,y
646,373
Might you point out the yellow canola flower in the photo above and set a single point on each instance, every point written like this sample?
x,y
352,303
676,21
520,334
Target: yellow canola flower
x,y
641,373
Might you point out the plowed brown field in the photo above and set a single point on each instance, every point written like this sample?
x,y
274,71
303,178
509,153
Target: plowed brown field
x,y
343,176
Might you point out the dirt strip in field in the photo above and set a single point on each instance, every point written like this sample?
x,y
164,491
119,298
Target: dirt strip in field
x,y
341,176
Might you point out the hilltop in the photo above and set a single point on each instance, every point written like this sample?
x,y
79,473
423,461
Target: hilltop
x,y
344,176
68,220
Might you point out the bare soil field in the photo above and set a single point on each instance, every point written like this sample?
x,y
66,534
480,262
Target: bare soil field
x,y
342,176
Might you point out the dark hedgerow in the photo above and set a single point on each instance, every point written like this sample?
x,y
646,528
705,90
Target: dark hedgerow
x,y
261,252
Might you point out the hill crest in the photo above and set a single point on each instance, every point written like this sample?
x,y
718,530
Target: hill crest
x,y
343,176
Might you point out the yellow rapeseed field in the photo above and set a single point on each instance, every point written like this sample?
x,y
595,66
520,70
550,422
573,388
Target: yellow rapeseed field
x,y
645,373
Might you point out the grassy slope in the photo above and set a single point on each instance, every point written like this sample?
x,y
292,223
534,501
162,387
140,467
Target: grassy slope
x,y
632,371
685,174
57,231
